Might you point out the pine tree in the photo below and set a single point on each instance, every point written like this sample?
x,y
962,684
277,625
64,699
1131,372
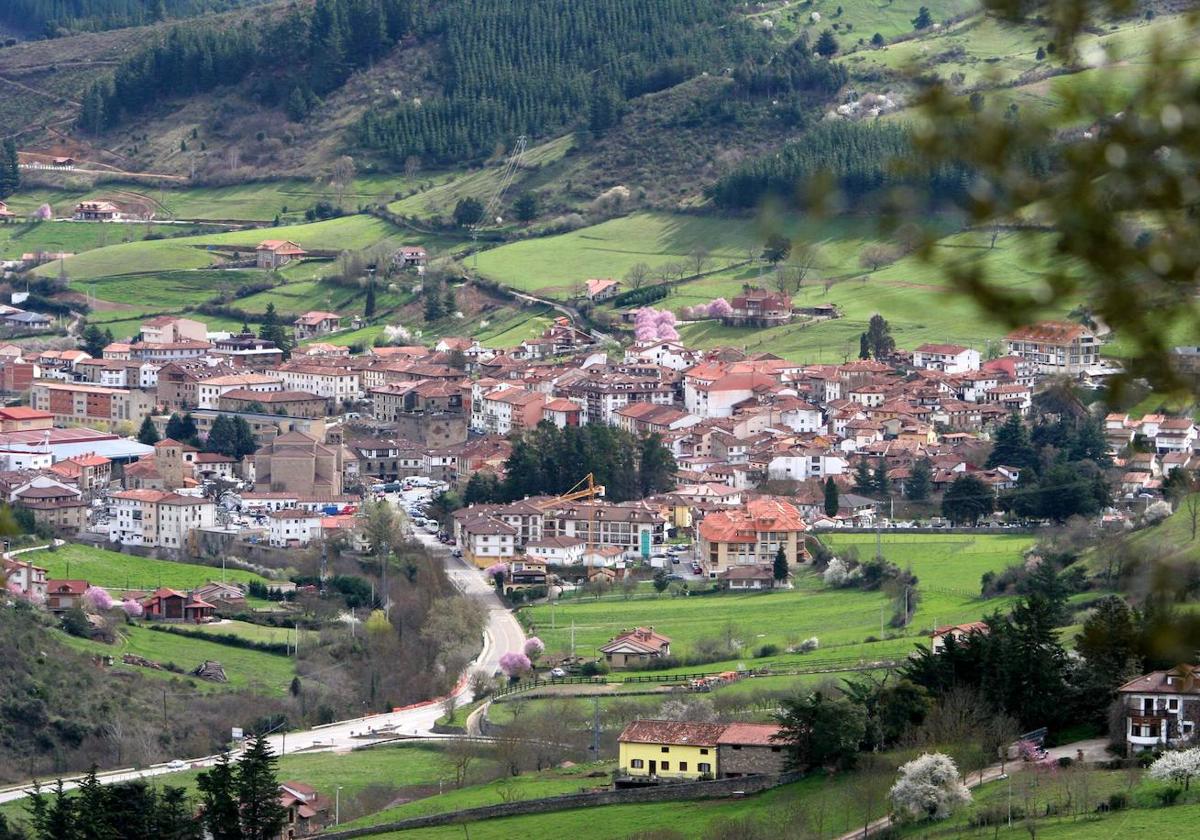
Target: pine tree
x,y
182,428
369,304
864,482
883,484
449,302
433,303
779,568
94,341
10,169
219,795
262,817
827,44
920,483
1012,447
832,502
148,434
864,346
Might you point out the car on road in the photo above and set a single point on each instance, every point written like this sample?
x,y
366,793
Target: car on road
x,y
557,673
176,764
456,552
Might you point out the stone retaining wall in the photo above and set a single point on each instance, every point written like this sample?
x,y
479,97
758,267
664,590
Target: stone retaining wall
x,y
717,789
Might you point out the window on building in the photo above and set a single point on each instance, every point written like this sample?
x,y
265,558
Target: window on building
x,y
704,767
683,767
737,746
703,751
666,765
666,749
637,764
1173,705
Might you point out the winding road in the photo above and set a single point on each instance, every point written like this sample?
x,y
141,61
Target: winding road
x,y
502,634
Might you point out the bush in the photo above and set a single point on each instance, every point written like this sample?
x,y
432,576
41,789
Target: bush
x,y
1118,801
228,639
767,650
1065,761
1168,796
597,668
640,297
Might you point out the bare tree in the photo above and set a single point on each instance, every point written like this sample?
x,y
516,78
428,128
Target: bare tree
x,y
637,275
449,707
461,753
341,175
877,255
699,256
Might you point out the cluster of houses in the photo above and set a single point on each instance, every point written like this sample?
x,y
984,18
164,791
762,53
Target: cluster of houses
x,y
330,425
196,606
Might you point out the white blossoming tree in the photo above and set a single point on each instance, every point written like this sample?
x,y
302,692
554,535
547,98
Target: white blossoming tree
x,y
929,788
1177,767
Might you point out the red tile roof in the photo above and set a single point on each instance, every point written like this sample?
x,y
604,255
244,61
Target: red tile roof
x,y
672,732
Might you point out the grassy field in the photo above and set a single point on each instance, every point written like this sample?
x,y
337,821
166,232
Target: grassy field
x,y
857,18
526,786
437,196
941,561
75,237
153,257
246,630
949,570
264,673
259,201
828,803
915,298
118,571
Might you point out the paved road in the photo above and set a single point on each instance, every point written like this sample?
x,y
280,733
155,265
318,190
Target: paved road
x,y
502,634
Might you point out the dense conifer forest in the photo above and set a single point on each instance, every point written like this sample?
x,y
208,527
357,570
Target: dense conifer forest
x,y
55,17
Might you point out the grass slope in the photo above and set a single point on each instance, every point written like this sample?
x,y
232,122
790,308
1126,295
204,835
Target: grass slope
x,y
118,571
264,673
948,567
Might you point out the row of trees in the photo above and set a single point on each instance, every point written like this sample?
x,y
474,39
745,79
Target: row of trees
x,y
10,170
238,802
56,16
548,461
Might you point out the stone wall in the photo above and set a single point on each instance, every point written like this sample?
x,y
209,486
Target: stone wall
x,y
750,759
718,789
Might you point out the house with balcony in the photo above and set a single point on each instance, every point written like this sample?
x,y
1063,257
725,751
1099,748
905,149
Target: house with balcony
x,y
1055,347
1161,708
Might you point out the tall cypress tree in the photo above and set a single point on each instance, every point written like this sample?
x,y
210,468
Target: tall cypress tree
x,y
831,497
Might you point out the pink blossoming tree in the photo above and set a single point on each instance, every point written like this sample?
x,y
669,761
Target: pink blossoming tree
x,y
534,647
97,599
514,665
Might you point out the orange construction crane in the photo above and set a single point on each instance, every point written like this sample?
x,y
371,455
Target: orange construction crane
x,y
585,488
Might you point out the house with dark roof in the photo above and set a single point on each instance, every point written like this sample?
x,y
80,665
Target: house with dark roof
x,y
639,645
1162,708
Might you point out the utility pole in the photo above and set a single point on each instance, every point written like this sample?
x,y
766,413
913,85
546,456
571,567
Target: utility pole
x,y
595,728
572,638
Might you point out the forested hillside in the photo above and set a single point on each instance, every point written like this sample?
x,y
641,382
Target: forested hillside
x,y
58,17
338,37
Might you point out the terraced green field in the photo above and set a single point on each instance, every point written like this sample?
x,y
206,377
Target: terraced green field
x,y
941,561
842,619
117,571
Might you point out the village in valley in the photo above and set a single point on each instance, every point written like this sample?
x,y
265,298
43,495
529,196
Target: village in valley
x,y
424,419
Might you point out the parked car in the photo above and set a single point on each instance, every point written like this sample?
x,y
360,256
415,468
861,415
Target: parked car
x,y
176,764
557,673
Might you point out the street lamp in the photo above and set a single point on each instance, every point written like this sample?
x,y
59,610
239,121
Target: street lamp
x,y
337,806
